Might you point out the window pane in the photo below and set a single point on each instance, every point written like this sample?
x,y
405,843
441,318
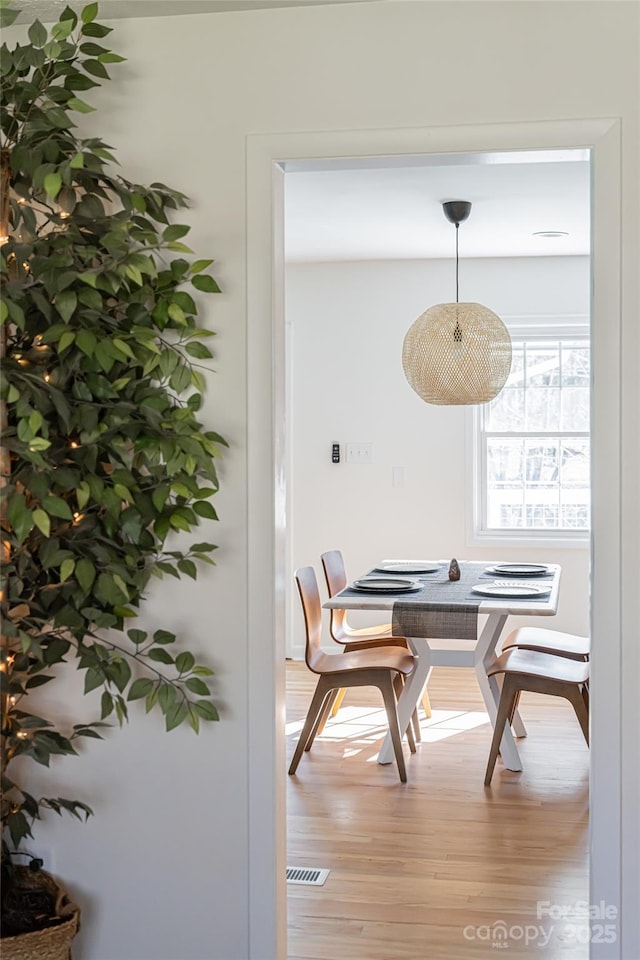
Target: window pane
x,y
506,413
543,365
575,408
543,409
575,364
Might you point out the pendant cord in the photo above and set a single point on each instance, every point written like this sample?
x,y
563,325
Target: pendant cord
x,y
457,228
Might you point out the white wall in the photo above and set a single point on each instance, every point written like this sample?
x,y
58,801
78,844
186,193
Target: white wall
x,y
162,870
346,323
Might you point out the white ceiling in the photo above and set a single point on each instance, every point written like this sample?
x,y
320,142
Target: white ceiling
x,y
382,209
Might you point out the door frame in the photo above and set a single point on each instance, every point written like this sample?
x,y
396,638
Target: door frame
x,y
267,155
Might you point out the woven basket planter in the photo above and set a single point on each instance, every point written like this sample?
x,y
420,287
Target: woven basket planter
x,y
52,943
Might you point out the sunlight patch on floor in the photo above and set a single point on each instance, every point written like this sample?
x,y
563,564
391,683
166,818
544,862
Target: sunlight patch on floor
x,y
368,724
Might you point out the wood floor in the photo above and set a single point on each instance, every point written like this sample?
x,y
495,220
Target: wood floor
x,y
430,868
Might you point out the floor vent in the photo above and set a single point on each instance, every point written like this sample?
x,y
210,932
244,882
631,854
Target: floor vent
x,y
309,875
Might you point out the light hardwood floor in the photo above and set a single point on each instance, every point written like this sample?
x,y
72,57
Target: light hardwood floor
x,y
429,868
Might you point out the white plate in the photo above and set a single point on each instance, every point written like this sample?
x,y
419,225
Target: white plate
x,y
513,590
519,569
385,585
409,566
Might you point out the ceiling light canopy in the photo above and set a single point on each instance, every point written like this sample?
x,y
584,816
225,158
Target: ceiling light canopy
x,y
457,353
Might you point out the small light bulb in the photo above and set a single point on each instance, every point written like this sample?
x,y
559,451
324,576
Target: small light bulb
x,y
47,377
22,734
74,445
64,215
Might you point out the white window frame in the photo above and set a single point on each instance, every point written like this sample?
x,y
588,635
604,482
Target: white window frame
x,y
521,328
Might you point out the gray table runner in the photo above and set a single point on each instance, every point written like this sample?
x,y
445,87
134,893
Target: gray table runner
x,y
443,609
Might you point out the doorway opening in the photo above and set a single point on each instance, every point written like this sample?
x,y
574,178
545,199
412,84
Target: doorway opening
x,y
366,251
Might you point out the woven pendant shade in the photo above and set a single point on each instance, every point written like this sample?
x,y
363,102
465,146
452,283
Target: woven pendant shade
x,y
457,353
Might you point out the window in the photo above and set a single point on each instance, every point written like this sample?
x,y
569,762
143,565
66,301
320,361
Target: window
x,y
533,445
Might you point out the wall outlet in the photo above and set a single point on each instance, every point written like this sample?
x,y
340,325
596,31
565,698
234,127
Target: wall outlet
x,y
359,453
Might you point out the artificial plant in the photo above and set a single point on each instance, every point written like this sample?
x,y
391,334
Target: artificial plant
x,y
103,457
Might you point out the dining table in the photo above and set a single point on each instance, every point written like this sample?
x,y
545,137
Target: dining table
x,y
437,614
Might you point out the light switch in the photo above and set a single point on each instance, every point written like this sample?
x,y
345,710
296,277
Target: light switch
x,y
359,453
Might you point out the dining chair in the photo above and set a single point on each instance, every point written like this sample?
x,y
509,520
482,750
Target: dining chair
x,y
549,641
382,668
539,673
335,575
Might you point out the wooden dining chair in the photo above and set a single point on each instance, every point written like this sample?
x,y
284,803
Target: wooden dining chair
x,y
383,668
539,673
549,641
352,638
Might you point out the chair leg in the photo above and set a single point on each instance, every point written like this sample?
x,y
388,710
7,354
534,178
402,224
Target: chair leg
x,y
576,698
315,709
505,708
398,684
327,712
516,704
322,718
337,703
585,694
426,704
389,697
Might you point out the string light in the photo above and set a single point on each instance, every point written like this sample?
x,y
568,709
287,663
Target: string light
x,y
74,445
47,377
77,517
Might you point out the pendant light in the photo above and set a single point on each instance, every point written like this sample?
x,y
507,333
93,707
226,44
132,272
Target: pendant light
x,y
457,353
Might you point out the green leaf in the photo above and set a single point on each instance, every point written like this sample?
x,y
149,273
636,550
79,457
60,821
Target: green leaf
x,y
66,570
206,284
7,16
206,710
189,568
85,574
57,507
92,680
204,509
140,688
66,340
74,103
96,69
42,522
65,303
37,34
176,715
52,184
160,655
199,265
89,13
195,685
137,636
185,661
61,30
106,704
174,232
164,637
95,30
82,494
86,341
123,347
198,350
109,57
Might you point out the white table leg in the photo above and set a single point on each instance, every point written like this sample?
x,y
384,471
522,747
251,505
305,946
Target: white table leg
x,y
410,695
489,686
